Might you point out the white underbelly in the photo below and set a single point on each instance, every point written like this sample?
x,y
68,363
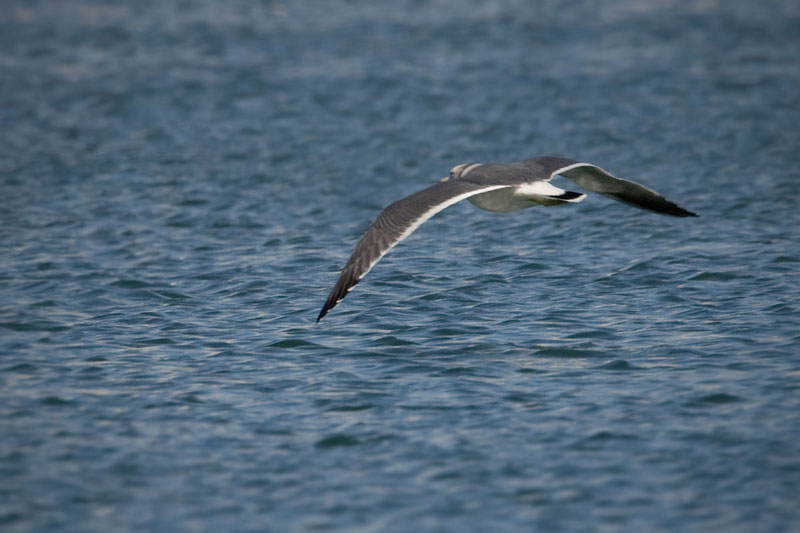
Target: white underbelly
x,y
501,201
521,197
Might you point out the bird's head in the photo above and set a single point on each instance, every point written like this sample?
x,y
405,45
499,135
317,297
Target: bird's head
x,y
459,171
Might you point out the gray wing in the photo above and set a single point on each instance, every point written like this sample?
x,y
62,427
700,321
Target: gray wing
x,y
530,170
597,180
394,224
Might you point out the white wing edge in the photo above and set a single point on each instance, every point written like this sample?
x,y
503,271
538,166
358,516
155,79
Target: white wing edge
x,y
424,217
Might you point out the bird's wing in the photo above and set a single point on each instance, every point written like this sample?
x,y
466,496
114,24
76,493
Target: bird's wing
x,y
586,175
598,180
394,224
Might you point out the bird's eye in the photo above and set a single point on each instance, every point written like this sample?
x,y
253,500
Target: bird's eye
x,y
452,174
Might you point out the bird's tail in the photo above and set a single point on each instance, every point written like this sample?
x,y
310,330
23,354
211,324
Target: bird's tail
x,y
545,193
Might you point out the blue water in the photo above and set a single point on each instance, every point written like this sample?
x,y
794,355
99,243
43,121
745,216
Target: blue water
x,y
180,183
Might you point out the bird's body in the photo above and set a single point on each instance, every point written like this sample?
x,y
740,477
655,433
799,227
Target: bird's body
x,y
496,187
510,199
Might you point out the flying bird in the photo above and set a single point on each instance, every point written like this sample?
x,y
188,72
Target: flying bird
x,y
496,187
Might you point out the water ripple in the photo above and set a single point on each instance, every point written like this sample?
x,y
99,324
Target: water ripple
x,y
180,188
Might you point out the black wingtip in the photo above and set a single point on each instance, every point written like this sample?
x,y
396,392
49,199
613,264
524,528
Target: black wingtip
x,y
330,303
569,195
684,213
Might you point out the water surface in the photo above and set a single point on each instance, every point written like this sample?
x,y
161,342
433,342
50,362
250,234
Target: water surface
x,y
181,182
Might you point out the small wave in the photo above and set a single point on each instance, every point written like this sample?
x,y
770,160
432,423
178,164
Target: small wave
x,y
54,401
36,325
619,364
130,284
716,276
557,351
294,343
391,340
337,440
715,398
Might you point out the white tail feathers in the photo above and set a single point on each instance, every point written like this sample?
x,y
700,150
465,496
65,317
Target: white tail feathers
x,y
544,193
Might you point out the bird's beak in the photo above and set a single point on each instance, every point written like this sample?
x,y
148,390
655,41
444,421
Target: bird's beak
x,y
445,178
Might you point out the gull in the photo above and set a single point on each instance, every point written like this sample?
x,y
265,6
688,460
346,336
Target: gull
x,y
496,187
